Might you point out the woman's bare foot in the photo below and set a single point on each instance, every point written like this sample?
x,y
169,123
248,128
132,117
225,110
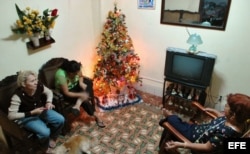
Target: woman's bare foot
x,y
166,112
52,143
76,107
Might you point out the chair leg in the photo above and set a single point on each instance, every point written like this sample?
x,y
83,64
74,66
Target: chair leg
x,y
67,124
65,130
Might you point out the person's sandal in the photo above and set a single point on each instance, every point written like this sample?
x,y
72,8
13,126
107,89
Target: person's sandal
x,y
100,124
76,112
52,143
49,151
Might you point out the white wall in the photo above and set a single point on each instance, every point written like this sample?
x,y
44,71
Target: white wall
x,y
78,31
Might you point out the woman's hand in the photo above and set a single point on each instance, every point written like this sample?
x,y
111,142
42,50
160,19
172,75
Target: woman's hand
x,y
173,145
81,83
210,109
38,111
84,96
216,112
49,106
205,147
83,86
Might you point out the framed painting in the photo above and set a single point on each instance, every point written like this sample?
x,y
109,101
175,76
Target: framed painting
x,y
146,4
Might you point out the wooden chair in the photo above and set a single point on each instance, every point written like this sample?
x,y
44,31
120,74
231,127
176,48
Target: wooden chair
x,y
173,134
19,140
47,76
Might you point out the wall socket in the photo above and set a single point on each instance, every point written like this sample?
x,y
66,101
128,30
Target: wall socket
x,y
220,99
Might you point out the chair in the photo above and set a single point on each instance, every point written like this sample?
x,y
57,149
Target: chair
x,y
173,134
18,139
47,76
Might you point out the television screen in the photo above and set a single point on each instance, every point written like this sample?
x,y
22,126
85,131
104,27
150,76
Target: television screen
x,y
190,69
187,67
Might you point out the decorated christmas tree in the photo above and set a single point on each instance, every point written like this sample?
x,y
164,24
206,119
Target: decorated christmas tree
x,y
117,68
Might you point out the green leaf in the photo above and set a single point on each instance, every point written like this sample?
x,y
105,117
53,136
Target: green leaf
x,y
46,12
53,18
19,30
19,12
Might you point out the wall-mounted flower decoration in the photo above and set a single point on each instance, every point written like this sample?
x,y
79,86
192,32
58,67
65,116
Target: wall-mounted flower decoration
x,y
31,22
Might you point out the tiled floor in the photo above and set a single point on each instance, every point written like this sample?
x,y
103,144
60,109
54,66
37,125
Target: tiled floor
x,y
146,97
150,98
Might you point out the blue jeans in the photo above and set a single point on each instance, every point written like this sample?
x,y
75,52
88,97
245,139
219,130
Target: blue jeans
x,y
46,125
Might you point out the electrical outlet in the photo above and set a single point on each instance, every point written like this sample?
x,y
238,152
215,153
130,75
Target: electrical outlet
x,y
220,99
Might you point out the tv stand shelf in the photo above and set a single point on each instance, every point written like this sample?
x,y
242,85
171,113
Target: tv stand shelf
x,y
187,77
178,97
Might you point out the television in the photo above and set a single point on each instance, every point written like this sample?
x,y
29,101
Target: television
x,y
193,70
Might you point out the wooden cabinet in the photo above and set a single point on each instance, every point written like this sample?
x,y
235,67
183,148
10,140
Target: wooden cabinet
x,y
178,97
187,77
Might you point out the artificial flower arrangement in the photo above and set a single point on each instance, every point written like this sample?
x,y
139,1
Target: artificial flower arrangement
x,y
30,22
49,17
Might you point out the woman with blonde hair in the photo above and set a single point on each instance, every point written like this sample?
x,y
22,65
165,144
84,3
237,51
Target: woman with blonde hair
x,y
31,106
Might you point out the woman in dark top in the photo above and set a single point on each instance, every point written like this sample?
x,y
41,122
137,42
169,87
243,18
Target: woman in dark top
x,y
35,112
76,89
209,137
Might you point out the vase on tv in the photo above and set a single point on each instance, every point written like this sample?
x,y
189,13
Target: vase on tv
x,y
35,40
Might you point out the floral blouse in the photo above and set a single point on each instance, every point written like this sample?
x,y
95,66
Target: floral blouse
x,y
215,132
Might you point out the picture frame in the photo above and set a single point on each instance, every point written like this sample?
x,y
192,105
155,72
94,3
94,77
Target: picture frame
x,y
207,14
146,4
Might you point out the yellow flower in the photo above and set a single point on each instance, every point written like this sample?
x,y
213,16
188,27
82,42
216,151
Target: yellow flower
x,y
52,24
31,22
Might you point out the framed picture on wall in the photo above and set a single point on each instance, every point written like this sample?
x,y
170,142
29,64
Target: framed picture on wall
x,y
146,4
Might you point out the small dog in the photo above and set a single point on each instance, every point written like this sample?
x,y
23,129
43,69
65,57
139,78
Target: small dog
x,y
75,145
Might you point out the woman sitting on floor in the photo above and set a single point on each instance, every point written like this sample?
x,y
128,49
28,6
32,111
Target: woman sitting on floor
x,y
209,137
77,90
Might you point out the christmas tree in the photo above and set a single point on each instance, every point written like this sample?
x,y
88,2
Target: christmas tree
x,y
117,68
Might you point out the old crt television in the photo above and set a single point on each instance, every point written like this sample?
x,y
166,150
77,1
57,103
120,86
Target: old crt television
x,y
189,69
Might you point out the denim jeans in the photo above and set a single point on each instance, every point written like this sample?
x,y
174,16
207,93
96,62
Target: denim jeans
x,y
46,125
